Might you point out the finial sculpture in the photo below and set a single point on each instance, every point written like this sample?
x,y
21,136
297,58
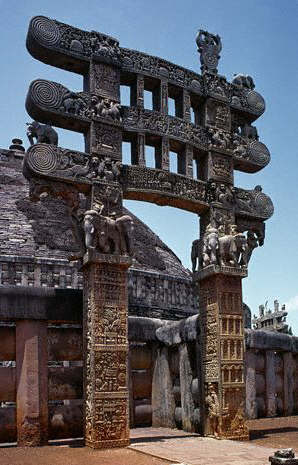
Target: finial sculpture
x,y
209,48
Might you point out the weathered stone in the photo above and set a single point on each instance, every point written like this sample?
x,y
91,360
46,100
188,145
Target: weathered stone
x,y
32,383
187,402
143,329
163,402
270,383
250,366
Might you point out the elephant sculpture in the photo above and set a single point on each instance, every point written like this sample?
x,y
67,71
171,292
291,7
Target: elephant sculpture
x,y
243,81
44,133
195,254
72,103
108,235
233,250
210,246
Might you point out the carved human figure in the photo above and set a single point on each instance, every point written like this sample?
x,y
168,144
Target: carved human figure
x,y
43,133
211,192
109,169
108,235
219,138
213,410
225,195
209,47
240,146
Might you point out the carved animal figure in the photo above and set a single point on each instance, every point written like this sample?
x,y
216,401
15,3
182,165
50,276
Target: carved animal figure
x,y
72,103
250,132
114,111
210,246
108,235
195,254
233,250
44,133
243,80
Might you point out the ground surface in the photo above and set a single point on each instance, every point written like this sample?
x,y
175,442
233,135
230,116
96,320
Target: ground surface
x,y
162,446
74,454
275,432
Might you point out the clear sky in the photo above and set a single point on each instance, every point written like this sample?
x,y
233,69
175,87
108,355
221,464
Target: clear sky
x,y
260,38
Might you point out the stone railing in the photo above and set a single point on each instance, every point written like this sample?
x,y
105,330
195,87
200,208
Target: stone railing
x,y
150,294
271,374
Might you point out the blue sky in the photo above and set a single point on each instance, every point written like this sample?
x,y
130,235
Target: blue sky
x,y
259,38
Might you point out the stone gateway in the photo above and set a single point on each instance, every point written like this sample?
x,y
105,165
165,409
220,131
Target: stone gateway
x,y
218,139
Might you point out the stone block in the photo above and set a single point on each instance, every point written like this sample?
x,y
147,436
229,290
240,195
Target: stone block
x,y
163,402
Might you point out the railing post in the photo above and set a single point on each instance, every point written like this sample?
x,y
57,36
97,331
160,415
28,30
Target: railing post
x,y
32,382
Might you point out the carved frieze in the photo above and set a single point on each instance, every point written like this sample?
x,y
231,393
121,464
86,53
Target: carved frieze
x,y
155,122
49,161
209,325
217,114
106,140
163,187
104,80
142,63
68,40
220,167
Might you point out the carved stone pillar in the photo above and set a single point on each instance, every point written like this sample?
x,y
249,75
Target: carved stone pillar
x,y
32,383
189,160
223,386
187,402
163,402
138,150
165,161
105,339
137,92
164,96
270,383
186,105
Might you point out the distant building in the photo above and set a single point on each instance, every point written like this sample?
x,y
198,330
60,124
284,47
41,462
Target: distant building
x,y
269,320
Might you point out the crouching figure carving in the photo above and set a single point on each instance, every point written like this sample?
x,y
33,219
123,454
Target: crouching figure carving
x,y
109,235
